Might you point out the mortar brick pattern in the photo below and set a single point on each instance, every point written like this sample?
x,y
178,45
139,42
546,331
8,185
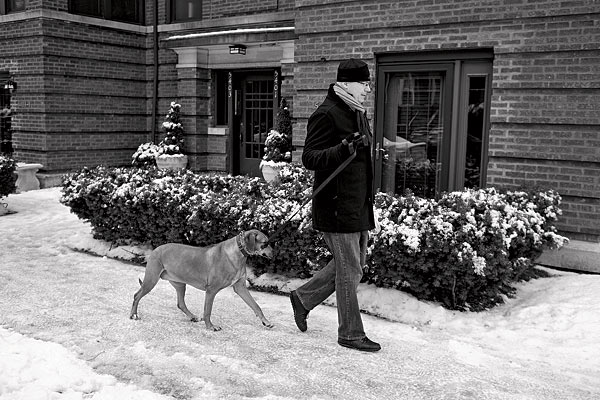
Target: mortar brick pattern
x,y
560,142
213,9
82,91
545,108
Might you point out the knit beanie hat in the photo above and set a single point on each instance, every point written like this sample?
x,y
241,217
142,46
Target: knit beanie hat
x,y
353,70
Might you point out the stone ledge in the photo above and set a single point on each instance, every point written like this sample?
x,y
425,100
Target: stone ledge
x,y
577,256
50,180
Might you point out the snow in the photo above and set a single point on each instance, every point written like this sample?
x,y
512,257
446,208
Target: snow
x,y
233,31
32,369
65,332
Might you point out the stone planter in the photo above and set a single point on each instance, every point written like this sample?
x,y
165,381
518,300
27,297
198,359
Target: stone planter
x,y
26,178
172,161
270,170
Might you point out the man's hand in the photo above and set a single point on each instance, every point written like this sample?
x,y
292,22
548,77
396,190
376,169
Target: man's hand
x,y
352,141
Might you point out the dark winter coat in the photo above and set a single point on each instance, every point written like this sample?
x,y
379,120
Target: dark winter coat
x,y
346,203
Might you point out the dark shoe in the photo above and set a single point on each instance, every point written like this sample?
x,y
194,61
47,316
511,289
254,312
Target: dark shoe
x,y
300,313
364,344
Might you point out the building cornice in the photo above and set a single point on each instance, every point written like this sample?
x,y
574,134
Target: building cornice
x,y
202,26
65,16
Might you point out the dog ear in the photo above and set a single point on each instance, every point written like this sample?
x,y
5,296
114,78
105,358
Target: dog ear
x,y
251,241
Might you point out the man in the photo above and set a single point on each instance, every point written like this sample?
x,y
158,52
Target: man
x,y
343,210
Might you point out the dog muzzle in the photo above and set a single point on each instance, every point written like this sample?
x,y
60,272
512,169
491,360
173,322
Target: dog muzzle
x,y
241,243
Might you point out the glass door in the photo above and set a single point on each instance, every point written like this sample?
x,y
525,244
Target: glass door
x,y
254,106
414,131
432,125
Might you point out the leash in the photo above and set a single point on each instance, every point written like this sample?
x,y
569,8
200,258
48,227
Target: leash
x,y
312,196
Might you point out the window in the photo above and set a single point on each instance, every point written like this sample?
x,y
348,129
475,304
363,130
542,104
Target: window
x,y
413,130
475,128
5,115
432,122
131,11
10,6
126,10
185,10
90,8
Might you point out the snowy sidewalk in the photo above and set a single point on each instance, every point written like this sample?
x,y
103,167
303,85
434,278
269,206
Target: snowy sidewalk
x,y
65,334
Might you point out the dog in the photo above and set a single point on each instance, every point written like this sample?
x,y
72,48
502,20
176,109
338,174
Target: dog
x,y
211,269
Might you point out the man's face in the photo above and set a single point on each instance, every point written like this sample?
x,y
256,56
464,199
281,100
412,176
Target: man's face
x,y
359,90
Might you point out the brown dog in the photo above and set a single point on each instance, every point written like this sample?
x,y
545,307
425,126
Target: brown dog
x,y
210,269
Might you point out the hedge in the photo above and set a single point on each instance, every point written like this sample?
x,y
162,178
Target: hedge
x,y
464,250
8,177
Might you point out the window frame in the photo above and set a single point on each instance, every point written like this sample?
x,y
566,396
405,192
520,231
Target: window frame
x,y
105,8
453,144
5,7
442,66
171,12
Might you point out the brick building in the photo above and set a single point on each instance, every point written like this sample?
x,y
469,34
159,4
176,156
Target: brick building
x,y
466,93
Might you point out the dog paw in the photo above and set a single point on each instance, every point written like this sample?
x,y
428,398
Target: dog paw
x,y
194,319
213,328
134,317
268,324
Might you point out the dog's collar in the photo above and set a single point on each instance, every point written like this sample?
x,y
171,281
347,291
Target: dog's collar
x,y
241,245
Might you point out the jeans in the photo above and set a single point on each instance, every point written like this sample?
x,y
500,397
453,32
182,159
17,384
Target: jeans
x,y
342,274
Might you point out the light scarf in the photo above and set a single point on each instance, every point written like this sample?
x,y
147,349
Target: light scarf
x,y
348,98
361,114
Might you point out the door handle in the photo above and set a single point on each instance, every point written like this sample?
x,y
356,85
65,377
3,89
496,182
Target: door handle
x,y
379,150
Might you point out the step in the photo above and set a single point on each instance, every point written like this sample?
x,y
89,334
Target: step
x,y
577,255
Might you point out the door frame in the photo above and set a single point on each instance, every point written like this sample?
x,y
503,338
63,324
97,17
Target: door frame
x,y
452,63
5,119
236,112
472,69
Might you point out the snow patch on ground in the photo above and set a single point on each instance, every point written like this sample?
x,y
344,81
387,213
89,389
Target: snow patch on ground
x,y
36,369
65,332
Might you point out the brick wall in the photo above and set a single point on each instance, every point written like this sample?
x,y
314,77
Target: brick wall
x,y
82,94
85,92
60,5
212,9
546,80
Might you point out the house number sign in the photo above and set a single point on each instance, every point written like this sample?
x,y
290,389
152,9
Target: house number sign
x,y
229,83
275,84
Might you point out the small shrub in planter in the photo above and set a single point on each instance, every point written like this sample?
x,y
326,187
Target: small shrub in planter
x,y
170,146
172,142
278,144
8,166
145,155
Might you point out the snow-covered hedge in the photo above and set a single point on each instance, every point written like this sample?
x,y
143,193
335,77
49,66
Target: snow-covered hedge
x,y
464,250
7,176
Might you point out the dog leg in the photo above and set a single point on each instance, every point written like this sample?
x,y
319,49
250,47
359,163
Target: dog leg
x,y
151,278
240,288
209,299
180,288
